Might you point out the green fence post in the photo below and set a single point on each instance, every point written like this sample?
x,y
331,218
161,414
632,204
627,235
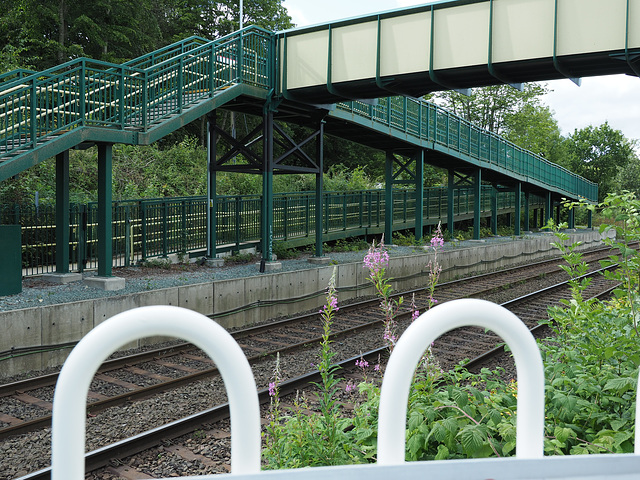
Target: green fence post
x,y
165,233
527,199
388,198
477,202
571,221
82,237
494,210
237,220
419,224
344,211
127,236
450,206
62,212
517,219
184,233
548,214
143,230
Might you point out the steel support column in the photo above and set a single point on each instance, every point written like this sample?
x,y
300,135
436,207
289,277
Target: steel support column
x,y
527,198
419,227
494,210
517,218
477,202
105,215
548,214
212,150
319,190
571,220
450,209
267,188
62,212
388,198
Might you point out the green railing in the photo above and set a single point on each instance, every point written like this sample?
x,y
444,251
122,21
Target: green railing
x,y
34,107
159,227
431,123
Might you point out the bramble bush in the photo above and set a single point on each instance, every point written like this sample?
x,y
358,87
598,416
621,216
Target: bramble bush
x,y
591,368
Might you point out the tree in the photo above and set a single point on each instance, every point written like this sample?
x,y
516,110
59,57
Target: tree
x,y
490,107
534,128
598,153
55,31
628,178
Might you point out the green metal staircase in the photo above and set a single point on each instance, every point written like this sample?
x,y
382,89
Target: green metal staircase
x,y
138,102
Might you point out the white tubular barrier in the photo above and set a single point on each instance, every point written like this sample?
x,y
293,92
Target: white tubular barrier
x,y
636,447
428,327
69,403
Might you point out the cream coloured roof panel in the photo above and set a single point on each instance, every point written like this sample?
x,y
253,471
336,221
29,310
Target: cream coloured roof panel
x,y
353,52
406,44
461,36
307,59
522,29
586,26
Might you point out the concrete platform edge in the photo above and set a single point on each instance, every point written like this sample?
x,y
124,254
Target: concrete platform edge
x,y
52,324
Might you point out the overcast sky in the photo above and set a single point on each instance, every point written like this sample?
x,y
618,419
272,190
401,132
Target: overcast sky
x,y
615,99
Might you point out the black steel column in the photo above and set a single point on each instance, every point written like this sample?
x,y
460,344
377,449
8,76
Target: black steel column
x,y
518,209
212,140
62,212
319,188
105,214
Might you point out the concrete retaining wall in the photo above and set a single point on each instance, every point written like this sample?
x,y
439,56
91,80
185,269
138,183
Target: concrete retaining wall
x,y
245,301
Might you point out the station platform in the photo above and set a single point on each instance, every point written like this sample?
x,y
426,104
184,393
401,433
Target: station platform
x,y
41,324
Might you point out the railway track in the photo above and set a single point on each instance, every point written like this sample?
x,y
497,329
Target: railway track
x,y
266,340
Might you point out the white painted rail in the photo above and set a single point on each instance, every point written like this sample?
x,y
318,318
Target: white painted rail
x,y
69,402
424,331
68,429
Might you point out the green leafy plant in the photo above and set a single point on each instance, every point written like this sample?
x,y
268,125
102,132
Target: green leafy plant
x,y
283,251
299,439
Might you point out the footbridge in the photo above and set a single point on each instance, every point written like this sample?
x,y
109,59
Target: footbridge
x,y
328,78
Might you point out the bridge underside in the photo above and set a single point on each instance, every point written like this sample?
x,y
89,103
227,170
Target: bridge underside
x,y
459,45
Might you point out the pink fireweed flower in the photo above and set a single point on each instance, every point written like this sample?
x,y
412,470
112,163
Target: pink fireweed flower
x,y
350,387
376,367
437,240
272,389
415,315
362,363
376,259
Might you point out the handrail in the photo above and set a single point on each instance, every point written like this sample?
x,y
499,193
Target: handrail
x,y
69,403
391,108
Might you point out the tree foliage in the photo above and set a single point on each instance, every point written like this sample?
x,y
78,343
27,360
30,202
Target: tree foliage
x,y
491,107
598,153
51,32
